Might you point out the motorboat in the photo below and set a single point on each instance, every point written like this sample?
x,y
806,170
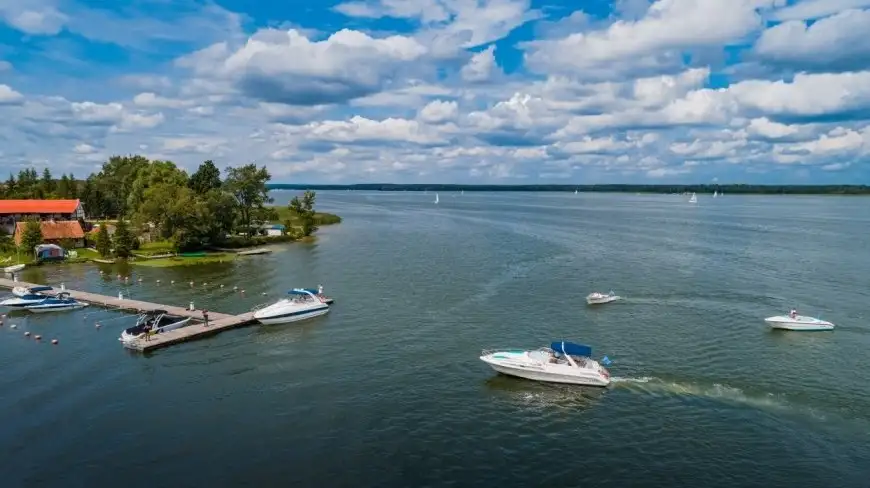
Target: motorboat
x,y
25,296
155,321
597,298
793,321
562,362
14,268
300,305
58,303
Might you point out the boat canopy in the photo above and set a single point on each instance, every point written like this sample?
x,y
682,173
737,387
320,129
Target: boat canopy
x,y
36,289
301,291
571,349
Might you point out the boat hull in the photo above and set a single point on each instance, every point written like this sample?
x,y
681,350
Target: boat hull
x,y
807,324
536,372
55,308
13,269
600,301
127,337
293,316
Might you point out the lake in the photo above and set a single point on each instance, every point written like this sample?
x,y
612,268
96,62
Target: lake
x,y
387,390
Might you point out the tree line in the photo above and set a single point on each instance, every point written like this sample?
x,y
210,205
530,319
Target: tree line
x,y
158,199
609,188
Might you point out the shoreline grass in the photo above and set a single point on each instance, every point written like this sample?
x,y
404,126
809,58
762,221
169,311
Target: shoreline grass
x,y
210,258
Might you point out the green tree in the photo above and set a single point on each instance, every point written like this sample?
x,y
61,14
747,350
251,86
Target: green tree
x,y
153,174
11,187
73,187
123,239
206,178
114,183
32,235
304,210
247,184
47,183
63,187
104,242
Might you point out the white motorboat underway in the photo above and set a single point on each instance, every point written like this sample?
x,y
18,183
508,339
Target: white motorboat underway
x,y
793,321
154,321
301,305
59,303
25,296
596,298
562,362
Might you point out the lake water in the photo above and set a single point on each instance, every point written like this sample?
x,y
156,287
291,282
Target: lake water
x,y
388,391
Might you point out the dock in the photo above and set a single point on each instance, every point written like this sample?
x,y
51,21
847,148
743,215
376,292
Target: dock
x,y
218,322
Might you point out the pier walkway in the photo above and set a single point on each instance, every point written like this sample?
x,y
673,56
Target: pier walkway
x,y
218,322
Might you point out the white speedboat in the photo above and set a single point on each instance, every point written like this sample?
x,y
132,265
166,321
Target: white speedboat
x,y
155,321
14,268
798,322
562,362
599,298
25,296
301,305
59,303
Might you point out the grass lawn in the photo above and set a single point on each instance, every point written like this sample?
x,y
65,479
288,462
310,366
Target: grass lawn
x,y
186,261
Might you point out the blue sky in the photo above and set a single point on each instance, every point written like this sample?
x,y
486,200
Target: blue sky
x,y
470,91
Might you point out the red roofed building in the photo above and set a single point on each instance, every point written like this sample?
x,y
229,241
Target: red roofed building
x,y
53,232
14,211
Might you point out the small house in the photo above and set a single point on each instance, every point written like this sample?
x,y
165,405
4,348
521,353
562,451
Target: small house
x,y
55,232
274,229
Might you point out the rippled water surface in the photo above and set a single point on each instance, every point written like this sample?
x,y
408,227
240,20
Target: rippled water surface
x,y
388,391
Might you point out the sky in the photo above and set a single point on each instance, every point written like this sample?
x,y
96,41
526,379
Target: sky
x,y
444,91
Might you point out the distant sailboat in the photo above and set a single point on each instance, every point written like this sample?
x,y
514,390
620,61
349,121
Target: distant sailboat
x,y
715,194
575,192
462,192
694,198
436,199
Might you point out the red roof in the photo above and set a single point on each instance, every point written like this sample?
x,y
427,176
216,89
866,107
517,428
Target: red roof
x,y
38,206
52,231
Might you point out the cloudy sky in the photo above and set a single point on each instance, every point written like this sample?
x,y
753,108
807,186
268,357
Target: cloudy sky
x,y
472,91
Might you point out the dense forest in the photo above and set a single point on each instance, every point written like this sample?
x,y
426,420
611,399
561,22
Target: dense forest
x,y
615,188
161,200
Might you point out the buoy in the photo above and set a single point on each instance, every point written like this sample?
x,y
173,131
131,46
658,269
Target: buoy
x,y
172,282
235,288
158,281
243,291
97,325
222,286
119,277
39,337
13,326
54,341
27,334
140,280
264,293
205,284
191,283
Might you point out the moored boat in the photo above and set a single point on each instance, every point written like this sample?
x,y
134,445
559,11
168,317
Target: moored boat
x,y
25,296
59,303
562,362
302,304
14,268
597,298
154,321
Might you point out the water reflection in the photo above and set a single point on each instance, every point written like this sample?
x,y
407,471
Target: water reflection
x,y
538,394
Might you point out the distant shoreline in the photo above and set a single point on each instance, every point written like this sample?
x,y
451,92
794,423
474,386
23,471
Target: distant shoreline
x,y
734,189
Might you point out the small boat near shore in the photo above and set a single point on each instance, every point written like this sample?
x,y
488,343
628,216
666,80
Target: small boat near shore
x,y
793,321
562,362
254,252
14,268
60,303
103,261
597,298
154,321
302,304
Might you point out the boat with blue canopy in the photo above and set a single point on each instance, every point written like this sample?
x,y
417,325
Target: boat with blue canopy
x,y
300,305
318,292
562,362
59,303
26,295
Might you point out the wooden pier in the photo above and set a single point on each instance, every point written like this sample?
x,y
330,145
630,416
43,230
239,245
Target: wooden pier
x,y
218,322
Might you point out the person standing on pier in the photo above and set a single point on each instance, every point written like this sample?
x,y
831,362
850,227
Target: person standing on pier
x,y
205,317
